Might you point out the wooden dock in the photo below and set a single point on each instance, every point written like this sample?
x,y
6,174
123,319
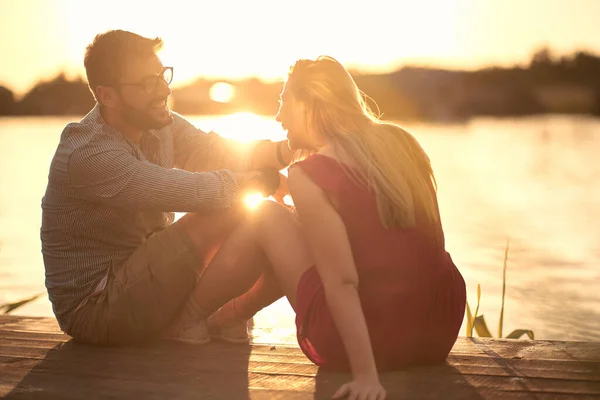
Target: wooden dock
x,y
37,361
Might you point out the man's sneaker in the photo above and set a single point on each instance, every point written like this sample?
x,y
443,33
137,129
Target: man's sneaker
x,y
196,333
236,332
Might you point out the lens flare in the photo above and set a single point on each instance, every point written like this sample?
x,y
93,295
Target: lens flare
x,y
253,200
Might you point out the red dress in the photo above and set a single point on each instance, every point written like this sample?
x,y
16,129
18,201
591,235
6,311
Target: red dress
x,y
412,295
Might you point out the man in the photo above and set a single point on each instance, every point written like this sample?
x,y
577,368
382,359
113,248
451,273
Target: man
x,y
117,268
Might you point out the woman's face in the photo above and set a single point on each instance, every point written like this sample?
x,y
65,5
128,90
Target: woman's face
x,y
292,117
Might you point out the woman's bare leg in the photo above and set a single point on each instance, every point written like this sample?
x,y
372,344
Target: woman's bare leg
x,y
279,234
267,244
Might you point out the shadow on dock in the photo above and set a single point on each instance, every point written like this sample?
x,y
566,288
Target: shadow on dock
x,y
37,361
161,370
167,370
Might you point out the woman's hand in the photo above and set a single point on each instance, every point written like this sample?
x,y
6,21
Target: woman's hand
x,y
361,390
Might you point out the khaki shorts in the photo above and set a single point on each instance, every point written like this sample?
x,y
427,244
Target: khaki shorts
x,y
143,294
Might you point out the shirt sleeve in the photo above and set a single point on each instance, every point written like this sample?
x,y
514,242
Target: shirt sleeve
x,y
104,170
196,150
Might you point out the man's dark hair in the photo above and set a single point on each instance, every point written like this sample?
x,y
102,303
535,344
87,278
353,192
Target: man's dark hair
x,y
106,56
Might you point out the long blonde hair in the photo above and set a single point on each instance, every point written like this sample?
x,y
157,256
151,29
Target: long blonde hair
x,y
390,160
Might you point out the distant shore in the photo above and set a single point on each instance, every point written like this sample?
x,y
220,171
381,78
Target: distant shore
x,y
567,85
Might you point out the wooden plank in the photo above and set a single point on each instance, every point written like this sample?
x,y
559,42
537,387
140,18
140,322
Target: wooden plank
x,y
43,363
72,359
526,367
43,324
535,349
186,382
503,348
29,324
495,348
475,364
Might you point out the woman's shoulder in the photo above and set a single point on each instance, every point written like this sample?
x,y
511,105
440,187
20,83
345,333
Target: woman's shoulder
x,y
325,171
327,157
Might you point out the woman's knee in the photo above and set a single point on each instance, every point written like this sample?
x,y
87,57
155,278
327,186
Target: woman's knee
x,y
269,213
207,232
215,224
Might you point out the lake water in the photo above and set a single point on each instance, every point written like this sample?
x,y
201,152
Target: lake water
x,y
534,180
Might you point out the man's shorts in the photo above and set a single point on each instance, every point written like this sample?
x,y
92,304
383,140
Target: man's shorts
x,y
143,294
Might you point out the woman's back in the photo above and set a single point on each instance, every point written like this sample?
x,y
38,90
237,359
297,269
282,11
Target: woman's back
x,y
402,251
400,269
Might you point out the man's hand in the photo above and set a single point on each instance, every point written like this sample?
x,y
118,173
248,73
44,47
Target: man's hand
x,y
265,182
250,181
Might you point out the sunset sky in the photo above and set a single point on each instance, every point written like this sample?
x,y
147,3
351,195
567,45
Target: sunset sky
x,y
262,38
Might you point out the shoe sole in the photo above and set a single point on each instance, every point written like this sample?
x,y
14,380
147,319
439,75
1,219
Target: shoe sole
x,y
231,340
190,341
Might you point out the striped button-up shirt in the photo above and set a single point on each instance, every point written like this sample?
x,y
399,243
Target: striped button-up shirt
x,y
106,194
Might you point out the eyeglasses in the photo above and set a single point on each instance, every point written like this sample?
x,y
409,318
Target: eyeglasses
x,y
150,83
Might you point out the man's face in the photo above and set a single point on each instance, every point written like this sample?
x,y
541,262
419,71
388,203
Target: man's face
x,y
143,93
291,116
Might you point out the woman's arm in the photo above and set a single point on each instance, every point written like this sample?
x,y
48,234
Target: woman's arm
x,y
328,241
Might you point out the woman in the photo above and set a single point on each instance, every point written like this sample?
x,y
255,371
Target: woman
x,y
365,269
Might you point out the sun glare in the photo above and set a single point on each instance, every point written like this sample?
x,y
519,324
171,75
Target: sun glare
x,y
222,92
253,200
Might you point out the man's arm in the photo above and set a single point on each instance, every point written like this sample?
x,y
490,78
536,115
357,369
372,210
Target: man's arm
x,y
276,155
104,171
198,151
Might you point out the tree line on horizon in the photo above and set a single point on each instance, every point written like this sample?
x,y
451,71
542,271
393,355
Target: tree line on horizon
x,y
548,84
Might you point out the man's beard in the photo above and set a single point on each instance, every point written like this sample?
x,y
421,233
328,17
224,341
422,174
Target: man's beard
x,y
142,120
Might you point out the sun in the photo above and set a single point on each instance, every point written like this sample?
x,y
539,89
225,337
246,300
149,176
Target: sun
x,y
222,92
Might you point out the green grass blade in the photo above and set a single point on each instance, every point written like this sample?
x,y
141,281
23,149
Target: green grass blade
x,y
469,321
7,308
476,308
501,321
517,333
481,327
